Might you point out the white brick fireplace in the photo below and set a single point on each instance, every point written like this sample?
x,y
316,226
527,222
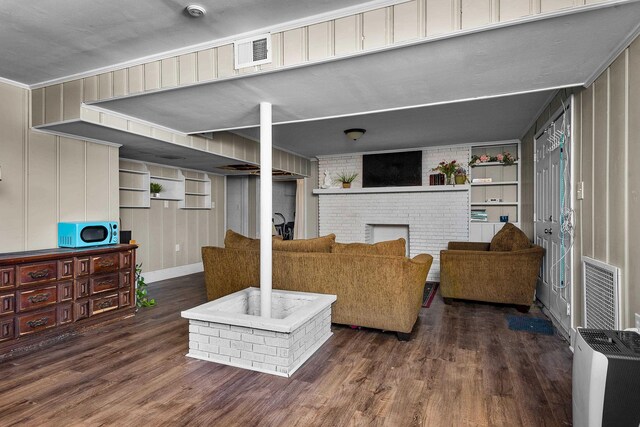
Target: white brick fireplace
x,y
434,215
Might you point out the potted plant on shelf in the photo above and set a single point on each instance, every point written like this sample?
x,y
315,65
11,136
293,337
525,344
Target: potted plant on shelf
x,y
448,169
461,176
155,189
346,178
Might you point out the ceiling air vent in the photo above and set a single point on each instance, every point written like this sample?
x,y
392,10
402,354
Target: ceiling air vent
x,y
253,51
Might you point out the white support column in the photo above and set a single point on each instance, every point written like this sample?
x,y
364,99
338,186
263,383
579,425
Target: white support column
x,y
266,188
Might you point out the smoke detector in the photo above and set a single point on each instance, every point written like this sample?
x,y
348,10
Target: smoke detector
x,y
196,10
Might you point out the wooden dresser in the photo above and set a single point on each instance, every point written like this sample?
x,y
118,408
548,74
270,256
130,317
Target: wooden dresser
x,y
47,293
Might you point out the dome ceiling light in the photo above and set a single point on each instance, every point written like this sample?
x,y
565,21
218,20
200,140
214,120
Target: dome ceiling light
x,y
354,134
196,10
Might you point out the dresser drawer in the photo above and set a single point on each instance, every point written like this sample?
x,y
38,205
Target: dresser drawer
x,y
126,279
82,266
65,313
81,309
104,263
7,303
65,269
125,298
103,283
126,259
65,291
82,287
41,272
7,278
34,322
36,298
7,328
101,304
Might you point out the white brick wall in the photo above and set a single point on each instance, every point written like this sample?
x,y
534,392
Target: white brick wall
x,y
273,352
338,165
433,156
434,218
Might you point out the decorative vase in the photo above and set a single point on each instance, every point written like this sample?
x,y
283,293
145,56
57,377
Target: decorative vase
x,y
346,185
461,179
450,180
155,195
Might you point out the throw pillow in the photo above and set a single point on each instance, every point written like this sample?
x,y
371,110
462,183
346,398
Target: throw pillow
x,y
389,247
319,244
233,240
509,238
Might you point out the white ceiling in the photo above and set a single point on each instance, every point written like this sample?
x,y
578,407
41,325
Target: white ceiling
x,y
484,86
43,40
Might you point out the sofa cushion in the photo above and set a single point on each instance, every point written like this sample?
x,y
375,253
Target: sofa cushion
x,y
233,240
319,244
509,238
388,247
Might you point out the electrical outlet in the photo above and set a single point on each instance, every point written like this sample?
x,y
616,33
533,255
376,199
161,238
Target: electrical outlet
x,y
166,203
213,205
568,309
638,320
580,191
178,247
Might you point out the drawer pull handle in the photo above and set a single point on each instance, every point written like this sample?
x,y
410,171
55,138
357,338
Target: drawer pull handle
x,y
106,263
40,322
34,299
104,304
109,282
40,274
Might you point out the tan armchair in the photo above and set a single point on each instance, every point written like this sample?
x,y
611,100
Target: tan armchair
x,y
470,271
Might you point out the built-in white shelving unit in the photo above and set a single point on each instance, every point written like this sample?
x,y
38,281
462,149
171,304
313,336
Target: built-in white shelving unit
x,y
197,192
134,185
500,197
172,186
191,189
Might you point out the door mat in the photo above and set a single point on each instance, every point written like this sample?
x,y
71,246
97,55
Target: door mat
x,y
430,289
536,325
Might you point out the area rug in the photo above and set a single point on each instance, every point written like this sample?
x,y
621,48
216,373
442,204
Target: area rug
x,y
430,289
536,325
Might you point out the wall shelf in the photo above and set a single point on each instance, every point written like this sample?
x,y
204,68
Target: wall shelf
x,y
408,189
490,163
197,191
504,185
134,185
495,204
480,184
191,189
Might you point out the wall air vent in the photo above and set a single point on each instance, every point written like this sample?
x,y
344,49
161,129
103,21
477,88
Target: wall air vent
x,y
252,51
601,294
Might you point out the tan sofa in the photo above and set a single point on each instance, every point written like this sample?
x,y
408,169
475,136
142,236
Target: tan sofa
x,y
375,291
503,271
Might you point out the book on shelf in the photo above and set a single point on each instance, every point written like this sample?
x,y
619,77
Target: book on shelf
x,y
479,215
481,180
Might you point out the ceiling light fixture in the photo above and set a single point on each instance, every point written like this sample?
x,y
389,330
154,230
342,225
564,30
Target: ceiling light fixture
x,y
354,134
196,10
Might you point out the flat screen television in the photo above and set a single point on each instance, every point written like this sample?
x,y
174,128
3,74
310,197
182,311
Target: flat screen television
x,y
392,169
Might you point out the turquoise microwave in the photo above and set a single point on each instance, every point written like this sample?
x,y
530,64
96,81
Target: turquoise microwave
x,y
84,234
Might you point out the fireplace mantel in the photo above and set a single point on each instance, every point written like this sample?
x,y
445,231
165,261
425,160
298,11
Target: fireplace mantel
x,y
412,189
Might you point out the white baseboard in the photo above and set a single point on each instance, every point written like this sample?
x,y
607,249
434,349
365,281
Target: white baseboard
x,y
170,273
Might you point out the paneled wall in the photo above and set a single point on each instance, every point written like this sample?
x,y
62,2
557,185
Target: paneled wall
x,y
164,225
346,35
606,138
47,179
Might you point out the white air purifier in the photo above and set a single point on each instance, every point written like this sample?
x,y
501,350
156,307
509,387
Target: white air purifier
x,y
606,378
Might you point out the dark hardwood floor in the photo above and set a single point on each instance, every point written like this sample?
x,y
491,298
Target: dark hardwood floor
x,y
462,367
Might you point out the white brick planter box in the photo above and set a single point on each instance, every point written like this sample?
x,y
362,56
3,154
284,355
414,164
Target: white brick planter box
x,y
231,331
